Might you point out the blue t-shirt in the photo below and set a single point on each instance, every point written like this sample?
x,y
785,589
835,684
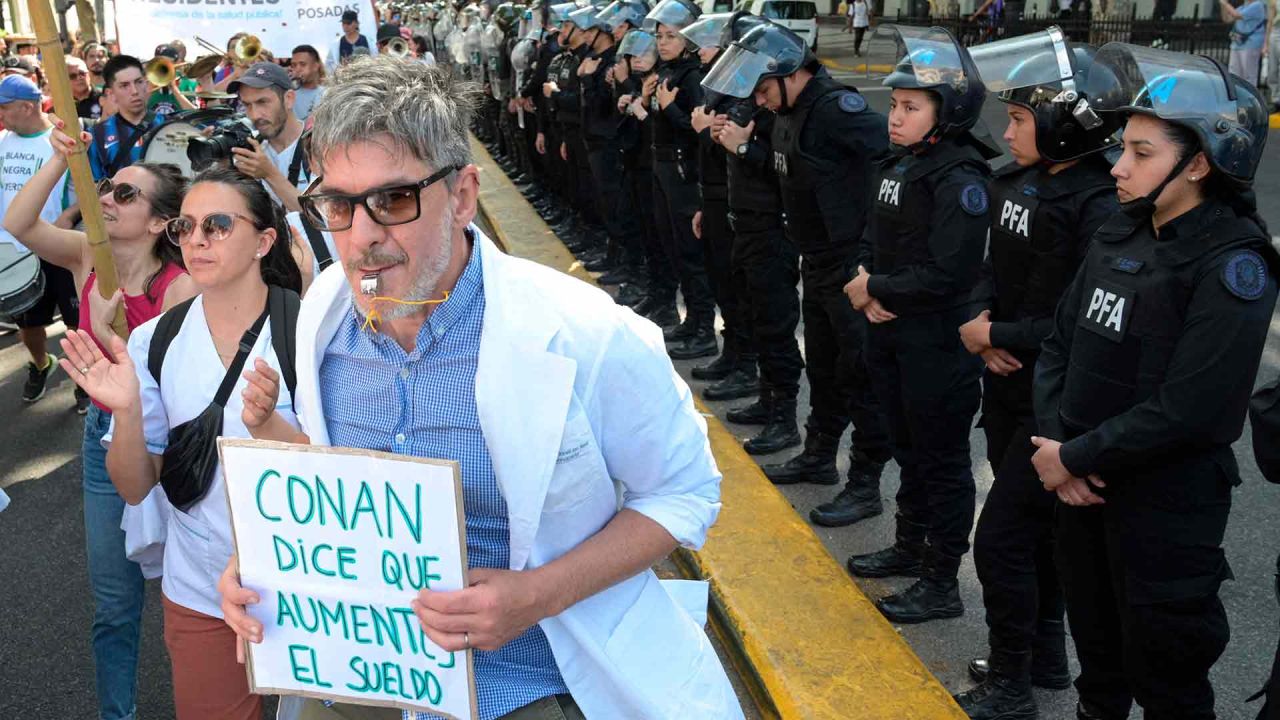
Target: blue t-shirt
x,y
1249,32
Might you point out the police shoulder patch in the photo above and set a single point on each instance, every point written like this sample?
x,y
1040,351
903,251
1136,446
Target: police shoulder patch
x,y
973,199
1245,275
852,102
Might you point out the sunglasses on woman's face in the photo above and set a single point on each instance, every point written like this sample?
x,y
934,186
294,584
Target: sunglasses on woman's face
x,y
122,193
216,227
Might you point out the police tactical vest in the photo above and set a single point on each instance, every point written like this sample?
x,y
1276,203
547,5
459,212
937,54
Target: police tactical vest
x,y
1034,229
754,191
1133,305
564,72
903,205
798,179
666,135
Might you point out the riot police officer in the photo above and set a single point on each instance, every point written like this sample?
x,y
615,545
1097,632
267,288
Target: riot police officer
x,y
675,169
1144,382
920,261
1046,205
652,293
825,140
763,262
734,371
622,16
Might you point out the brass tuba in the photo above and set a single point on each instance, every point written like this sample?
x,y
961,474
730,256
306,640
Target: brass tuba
x,y
397,47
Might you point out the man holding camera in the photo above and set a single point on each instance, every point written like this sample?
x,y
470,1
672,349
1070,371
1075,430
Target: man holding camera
x,y
267,95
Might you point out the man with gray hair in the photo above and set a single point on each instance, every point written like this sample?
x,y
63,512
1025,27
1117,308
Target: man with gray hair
x,y
583,460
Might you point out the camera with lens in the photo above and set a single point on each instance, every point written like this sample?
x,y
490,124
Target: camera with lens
x,y
228,134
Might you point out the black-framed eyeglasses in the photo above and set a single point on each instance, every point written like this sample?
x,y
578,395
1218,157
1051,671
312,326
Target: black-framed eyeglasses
x,y
122,193
394,205
215,226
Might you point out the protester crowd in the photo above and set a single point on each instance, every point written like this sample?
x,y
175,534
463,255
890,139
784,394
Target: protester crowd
x,y
1097,304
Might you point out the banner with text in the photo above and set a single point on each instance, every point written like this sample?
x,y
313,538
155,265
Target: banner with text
x,y
336,543
281,24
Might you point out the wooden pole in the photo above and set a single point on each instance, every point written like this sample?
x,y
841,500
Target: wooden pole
x,y
64,104
88,21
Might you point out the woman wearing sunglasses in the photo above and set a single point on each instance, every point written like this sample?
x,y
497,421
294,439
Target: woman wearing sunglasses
x,y
234,241
136,203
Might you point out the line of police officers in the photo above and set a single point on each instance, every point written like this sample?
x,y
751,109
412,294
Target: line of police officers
x,y
1104,301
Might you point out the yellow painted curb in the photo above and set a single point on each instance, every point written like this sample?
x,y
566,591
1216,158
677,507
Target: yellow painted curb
x,y
805,639
1274,121
859,68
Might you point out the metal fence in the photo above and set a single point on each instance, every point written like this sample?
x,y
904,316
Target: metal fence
x,y
1192,35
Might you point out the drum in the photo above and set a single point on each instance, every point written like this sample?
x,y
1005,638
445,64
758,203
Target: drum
x,y
21,281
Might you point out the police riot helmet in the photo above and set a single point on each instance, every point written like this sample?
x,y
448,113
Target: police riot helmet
x,y
1047,75
765,51
1226,113
506,17
586,18
931,59
636,43
708,30
678,14
559,13
618,12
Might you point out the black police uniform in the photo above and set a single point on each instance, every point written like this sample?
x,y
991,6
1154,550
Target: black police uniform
x,y
600,122
765,261
675,190
555,167
924,250
1146,378
824,148
636,146
564,72
1041,224
717,245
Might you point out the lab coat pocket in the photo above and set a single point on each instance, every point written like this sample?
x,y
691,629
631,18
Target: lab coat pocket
x,y
658,641
579,465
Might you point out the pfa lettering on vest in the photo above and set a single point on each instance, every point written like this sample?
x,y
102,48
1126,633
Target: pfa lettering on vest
x,y
1107,309
1016,219
890,192
780,163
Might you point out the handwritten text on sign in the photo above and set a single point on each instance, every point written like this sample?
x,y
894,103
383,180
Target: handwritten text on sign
x,y
337,543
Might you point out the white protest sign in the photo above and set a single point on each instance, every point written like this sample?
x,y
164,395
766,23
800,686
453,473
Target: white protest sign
x,y
337,543
281,24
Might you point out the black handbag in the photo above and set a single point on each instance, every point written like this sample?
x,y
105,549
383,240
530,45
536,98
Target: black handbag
x,y
186,473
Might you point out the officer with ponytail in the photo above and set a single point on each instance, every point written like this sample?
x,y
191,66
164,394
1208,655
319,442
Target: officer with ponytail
x,y
915,275
1144,383
1045,206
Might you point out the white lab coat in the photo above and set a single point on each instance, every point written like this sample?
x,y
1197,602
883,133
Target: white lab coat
x,y
582,413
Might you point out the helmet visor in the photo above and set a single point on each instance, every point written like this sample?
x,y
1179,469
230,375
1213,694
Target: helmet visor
x,y
522,55
708,31
560,13
636,43
931,54
738,71
584,18
669,12
1169,85
619,12
1041,58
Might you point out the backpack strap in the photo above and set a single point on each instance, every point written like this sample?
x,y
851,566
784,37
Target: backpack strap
x,y
283,306
318,246
166,330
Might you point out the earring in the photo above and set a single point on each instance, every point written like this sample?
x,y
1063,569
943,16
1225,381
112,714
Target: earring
x,y
257,256
1194,178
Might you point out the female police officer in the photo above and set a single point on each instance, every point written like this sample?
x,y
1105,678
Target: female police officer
x,y
920,260
1046,205
1143,385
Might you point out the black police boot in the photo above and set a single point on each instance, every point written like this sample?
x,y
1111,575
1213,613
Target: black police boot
x,y
717,369
663,315
1005,694
701,343
617,276
780,432
597,262
757,413
816,464
1087,711
631,294
979,668
740,383
1049,668
680,332
904,558
860,498
927,599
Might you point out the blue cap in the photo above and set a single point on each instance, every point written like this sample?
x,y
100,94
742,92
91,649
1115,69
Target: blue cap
x,y
17,87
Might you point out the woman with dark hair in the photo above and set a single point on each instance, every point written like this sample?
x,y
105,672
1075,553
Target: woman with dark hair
x,y
1144,383
233,239
136,203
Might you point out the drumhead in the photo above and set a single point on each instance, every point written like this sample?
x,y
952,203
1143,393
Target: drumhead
x,y
169,145
21,282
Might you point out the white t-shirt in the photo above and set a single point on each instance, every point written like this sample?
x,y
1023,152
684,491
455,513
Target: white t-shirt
x,y
859,12
282,160
199,540
20,157
304,99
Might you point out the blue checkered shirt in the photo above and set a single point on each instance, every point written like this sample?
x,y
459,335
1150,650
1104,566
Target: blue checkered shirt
x,y
423,403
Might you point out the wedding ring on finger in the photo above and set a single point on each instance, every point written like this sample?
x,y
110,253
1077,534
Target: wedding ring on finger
x,y
466,640
84,371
